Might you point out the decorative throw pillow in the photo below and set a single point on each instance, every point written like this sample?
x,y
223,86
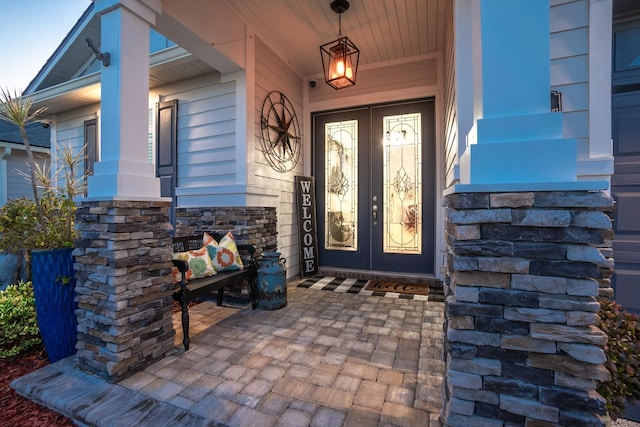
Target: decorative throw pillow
x,y
199,264
224,254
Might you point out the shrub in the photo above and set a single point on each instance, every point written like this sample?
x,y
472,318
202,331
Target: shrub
x,y
18,325
22,230
623,357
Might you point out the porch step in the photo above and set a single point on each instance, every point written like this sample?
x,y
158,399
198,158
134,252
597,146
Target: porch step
x,y
412,278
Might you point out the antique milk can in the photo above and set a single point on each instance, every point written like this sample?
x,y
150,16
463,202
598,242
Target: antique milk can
x,y
272,281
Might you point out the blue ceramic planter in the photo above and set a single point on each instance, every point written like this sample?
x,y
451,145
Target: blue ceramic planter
x,y
11,269
54,285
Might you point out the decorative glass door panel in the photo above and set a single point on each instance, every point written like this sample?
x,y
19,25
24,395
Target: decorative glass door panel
x,y
341,185
375,187
402,184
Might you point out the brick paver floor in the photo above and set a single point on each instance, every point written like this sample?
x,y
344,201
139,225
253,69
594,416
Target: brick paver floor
x,y
326,359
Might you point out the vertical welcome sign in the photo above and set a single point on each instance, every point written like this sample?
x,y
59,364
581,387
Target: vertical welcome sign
x,y
307,234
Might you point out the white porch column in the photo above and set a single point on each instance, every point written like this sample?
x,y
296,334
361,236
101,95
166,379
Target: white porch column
x,y
123,172
515,139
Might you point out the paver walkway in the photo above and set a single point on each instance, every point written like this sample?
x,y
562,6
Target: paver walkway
x,y
327,359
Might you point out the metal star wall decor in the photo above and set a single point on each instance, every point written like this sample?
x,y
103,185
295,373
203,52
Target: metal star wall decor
x,y
281,139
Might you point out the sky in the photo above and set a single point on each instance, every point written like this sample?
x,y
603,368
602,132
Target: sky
x,y
30,31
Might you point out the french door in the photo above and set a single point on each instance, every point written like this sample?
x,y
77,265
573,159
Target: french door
x,y
375,187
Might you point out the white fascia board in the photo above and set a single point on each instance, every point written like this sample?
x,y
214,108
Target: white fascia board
x,y
63,49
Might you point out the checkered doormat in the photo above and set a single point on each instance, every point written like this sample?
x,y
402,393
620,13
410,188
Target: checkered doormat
x,y
357,286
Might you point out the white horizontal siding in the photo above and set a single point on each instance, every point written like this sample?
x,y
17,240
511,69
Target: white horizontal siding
x,y
575,97
273,74
206,136
401,75
569,43
570,15
69,131
206,131
574,123
223,114
569,70
216,142
17,184
221,155
569,51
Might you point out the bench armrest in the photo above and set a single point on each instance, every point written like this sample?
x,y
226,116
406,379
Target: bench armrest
x,y
181,265
251,250
248,248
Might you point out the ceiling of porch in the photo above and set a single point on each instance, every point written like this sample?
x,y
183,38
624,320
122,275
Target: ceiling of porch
x,y
209,29
382,29
625,9
214,31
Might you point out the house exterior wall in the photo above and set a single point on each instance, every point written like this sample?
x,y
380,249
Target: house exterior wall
x,y
590,46
217,165
383,82
17,184
271,73
206,137
70,129
211,169
580,69
569,67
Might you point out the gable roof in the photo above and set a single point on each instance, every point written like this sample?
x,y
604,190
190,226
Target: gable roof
x,y
39,136
70,48
71,76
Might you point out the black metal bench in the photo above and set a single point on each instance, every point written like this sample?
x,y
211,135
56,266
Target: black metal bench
x,y
205,286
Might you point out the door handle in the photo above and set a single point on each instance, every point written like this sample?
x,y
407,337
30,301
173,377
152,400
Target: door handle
x,y
374,211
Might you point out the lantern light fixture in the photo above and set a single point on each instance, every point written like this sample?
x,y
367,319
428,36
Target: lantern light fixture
x,y
340,57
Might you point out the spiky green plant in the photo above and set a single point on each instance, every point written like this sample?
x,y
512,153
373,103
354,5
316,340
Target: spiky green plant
x,y
46,221
64,183
17,109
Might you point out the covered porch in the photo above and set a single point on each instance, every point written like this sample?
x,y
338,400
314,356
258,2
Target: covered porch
x,y
327,358
521,242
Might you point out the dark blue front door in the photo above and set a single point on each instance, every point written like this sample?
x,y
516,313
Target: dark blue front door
x,y
375,187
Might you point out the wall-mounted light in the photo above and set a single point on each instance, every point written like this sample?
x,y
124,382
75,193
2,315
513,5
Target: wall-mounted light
x,y
556,101
340,57
101,56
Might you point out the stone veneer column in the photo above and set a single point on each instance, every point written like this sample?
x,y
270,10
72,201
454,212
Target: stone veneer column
x,y
523,347
124,286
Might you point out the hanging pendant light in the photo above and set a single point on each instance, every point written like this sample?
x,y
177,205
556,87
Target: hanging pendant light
x,y
340,57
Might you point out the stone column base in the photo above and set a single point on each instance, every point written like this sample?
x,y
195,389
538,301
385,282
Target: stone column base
x,y
522,342
124,286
